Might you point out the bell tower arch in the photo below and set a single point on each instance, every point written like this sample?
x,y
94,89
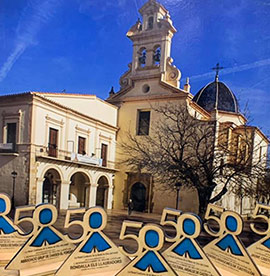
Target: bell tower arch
x,y
151,39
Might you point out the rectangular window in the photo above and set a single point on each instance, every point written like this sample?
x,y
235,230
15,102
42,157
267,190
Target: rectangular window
x,y
53,142
81,145
221,169
104,149
10,138
11,134
238,148
246,153
260,153
143,123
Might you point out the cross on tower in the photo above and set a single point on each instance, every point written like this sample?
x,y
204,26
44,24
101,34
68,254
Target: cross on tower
x,y
217,69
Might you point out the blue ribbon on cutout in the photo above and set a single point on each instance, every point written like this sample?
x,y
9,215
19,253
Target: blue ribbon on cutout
x,y
267,243
229,242
150,259
96,242
5,226
46,235
186,246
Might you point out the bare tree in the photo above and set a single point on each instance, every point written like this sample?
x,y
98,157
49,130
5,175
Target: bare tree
x,y
263,193
196,153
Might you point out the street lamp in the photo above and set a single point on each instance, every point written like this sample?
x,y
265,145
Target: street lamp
x,y
14,175
177,186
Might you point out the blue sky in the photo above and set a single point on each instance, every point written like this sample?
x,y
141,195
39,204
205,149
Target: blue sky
x,y
81,46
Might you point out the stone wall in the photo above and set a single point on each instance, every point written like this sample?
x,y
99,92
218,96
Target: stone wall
x,y
15,109
20,164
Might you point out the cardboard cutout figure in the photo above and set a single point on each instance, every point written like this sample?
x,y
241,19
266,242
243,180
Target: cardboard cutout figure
x,y
186,256
45,250
260,250
149,261
227,252
11,237
96,254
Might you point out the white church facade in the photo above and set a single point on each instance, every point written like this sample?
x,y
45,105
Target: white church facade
x,y
152,80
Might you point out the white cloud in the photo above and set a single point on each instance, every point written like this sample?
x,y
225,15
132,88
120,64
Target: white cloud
x,y
17,52
34,16
234,69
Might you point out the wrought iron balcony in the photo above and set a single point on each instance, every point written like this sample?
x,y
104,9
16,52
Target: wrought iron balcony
x,y
42,151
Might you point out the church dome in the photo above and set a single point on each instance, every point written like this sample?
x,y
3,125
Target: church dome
x,y
216,95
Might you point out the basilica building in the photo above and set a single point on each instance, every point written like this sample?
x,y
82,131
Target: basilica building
x,y
153,80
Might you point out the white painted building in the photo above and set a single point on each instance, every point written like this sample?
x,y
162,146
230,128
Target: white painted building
x,y
62,147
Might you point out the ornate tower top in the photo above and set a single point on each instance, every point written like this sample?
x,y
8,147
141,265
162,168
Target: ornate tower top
x,y
152,46
151,37
155,12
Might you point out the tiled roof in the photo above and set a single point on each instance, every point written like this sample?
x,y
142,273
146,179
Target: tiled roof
x,y
217,95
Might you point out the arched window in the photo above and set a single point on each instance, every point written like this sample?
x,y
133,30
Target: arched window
x,y
150,23
156,56
142,57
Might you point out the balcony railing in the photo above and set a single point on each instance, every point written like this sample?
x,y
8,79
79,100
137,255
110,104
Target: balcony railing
x,y
8,148
74,157
84,158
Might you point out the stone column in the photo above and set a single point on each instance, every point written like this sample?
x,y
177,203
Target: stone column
x,y
149,57
87,194
64,195
93,195
39,190
110,197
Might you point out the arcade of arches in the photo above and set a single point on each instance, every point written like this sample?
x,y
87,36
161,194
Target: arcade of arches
x,y
66,187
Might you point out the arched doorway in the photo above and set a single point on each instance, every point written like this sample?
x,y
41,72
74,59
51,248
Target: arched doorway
x,y
51,187
102,192
79,187
138,196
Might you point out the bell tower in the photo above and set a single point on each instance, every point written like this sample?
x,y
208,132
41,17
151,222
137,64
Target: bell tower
x,y
151,39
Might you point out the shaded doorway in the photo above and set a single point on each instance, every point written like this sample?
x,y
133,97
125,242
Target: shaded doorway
x,y
138,196
102,192
51,187
79,189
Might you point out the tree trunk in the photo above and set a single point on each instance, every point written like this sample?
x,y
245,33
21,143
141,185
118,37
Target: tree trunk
x,y
219,195
204,194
